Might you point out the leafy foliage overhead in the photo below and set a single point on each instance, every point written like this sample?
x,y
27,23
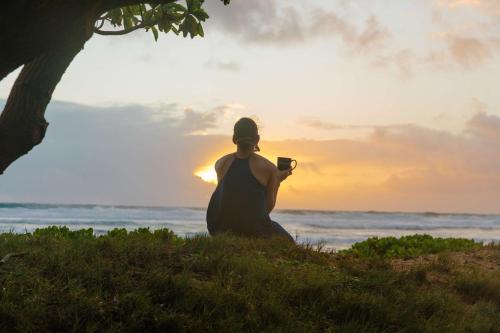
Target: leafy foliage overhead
x,y
181,18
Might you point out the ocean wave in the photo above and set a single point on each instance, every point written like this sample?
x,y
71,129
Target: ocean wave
x,y
7,205
397,227
298,212
38,206
374,212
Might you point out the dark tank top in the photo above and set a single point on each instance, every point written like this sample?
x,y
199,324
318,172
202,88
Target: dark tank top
x,y
239,203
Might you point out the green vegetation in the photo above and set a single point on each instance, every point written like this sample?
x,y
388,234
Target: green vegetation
x,y
144,281
409,246
157,17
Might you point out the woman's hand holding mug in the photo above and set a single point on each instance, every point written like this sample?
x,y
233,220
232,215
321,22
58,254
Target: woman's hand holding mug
x,y
285,167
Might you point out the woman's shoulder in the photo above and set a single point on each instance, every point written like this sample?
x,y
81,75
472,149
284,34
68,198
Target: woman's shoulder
x,y
264,162
223,160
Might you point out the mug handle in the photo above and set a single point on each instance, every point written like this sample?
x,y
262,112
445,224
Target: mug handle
x,y
295,164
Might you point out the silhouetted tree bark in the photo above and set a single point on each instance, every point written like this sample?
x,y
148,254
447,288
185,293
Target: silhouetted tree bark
x,y
44,36
22,123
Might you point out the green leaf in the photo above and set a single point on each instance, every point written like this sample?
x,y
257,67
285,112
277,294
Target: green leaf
x,y
127,22
200,14
200,30
163,18
116,17
155,32
192,25
174,7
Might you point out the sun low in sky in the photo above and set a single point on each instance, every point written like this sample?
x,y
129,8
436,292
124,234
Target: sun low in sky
x,y
387,105
207,174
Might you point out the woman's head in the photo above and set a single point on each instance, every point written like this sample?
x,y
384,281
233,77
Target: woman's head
x,y
246,134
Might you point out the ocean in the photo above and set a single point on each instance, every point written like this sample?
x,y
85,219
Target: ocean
x,y
335,229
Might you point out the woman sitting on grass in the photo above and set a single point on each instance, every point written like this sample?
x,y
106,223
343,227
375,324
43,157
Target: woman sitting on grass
x,y
247,188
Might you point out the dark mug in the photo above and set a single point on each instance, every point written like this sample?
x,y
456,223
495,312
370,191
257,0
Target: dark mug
x,y
285,163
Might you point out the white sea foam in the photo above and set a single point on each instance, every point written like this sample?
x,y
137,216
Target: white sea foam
x,y
336,229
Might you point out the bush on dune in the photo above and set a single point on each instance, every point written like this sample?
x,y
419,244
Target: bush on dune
x,y
409,246
145,281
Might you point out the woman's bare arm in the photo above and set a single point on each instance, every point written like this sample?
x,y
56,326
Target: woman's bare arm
x,y
276,177
272,191
222,165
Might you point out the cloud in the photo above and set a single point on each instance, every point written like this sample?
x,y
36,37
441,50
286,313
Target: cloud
x,y
464,41
403,61
198,122
491,7
485,126
478,106
257,21
136,154
323,125
415,166
331,126
412,165
328,126
468,51
469,33
194,122
271,22
443,117
231,66
371,38
116,154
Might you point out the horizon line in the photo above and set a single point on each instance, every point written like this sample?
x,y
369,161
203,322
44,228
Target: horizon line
x,y
3,204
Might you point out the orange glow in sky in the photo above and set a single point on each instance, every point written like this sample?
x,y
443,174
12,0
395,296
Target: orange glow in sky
x,y
402,168
207,174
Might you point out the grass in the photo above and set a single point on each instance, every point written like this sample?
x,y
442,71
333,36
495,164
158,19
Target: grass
x,y
142,281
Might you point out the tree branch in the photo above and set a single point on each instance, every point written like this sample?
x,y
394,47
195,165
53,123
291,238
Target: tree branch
x,y
22,123
112,4
126,31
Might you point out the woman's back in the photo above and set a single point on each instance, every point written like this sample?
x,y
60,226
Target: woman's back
x,y
247,188
239,203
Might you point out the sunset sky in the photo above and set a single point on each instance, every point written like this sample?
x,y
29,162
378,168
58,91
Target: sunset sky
x,y
389,105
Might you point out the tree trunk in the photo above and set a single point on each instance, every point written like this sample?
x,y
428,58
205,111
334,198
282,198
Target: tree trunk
x,y
22,123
